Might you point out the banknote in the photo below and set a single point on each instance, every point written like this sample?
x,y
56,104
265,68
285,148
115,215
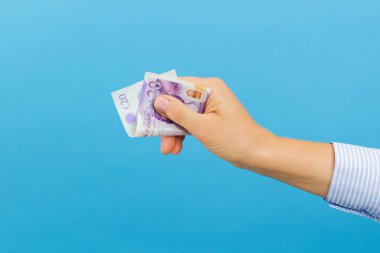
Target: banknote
x,y
135,104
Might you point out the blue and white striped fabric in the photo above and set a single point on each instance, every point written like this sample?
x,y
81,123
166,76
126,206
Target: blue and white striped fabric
x,y
355,185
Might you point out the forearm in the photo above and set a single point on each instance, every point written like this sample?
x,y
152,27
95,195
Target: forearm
x,y
302,164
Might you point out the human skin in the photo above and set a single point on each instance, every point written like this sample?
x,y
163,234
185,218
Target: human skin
x,y
227,130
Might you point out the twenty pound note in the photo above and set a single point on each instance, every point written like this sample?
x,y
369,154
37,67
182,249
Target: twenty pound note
x,y
135,104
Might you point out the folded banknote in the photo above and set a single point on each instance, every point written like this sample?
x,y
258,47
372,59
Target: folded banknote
x,y
134,104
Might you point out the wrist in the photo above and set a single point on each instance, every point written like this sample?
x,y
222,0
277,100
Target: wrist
x,y
258,149
263,153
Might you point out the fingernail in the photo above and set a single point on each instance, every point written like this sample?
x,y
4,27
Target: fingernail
x,y
161,104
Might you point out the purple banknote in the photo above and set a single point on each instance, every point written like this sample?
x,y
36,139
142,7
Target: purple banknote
x,y
149,122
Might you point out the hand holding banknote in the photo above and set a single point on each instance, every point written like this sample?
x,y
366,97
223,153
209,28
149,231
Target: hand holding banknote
x,y
225,128
170,107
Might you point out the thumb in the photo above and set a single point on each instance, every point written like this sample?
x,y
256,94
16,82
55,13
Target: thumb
x,y
178,112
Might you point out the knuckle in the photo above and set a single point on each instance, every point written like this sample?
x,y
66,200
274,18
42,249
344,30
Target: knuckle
x,y
217,80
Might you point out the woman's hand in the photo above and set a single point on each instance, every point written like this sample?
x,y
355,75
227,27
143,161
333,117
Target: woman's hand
x,y
225,128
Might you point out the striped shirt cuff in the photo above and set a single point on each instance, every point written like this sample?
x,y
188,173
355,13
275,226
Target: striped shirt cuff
x,y
355,185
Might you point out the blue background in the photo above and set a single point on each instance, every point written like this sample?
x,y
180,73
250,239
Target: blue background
x,y
72,181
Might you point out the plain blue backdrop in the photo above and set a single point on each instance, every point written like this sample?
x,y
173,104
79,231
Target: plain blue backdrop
x,y
71,180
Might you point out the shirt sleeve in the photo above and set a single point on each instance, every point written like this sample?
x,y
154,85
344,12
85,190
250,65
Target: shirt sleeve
x,y
355,185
